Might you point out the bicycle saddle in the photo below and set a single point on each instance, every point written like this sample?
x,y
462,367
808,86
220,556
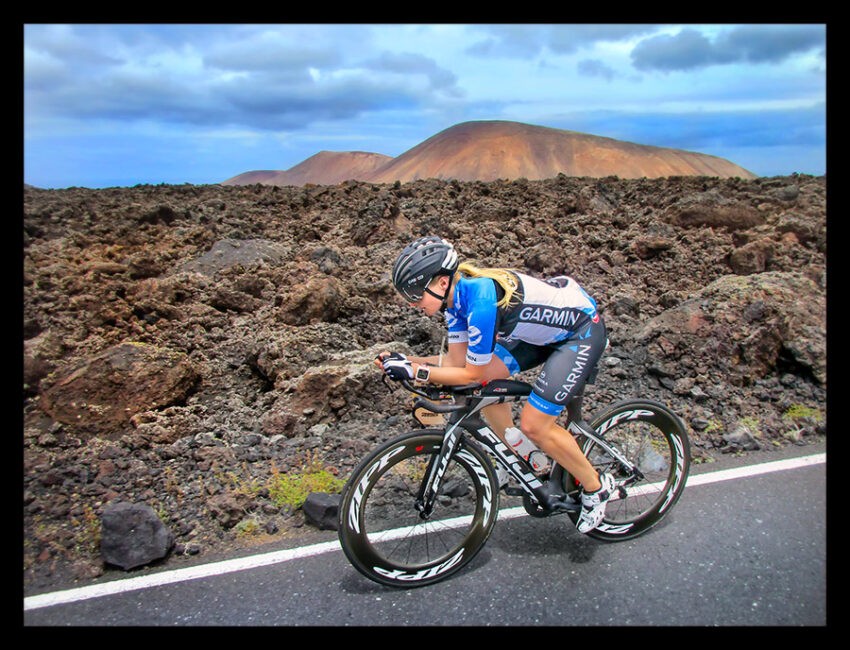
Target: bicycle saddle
x,y
499,387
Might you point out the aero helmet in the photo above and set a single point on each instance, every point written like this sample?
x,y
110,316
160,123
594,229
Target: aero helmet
x,y
420,262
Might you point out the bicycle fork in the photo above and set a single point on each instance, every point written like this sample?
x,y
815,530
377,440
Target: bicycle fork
x,y
436,469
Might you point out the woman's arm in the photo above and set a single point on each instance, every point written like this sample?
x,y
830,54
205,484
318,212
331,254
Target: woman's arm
x,y
455,357
457,376
450,369
454,371
430,361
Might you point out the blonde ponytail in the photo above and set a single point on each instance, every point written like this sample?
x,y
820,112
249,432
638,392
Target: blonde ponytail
x,y
503,277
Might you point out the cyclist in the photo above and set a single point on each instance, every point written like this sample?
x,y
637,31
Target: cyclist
x,y
501,322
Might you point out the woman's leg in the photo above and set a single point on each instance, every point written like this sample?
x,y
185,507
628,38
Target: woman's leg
x,y
564,375
559,444
498,416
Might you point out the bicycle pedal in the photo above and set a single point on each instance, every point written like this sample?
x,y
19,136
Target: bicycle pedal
x,y
565,506
564,503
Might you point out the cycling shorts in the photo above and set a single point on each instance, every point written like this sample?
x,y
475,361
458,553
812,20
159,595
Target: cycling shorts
x,y
566,365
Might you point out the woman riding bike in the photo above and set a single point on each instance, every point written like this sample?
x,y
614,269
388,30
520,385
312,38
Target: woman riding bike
x,y
501,322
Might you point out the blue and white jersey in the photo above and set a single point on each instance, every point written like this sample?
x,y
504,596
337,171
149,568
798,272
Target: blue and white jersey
x,y
541,313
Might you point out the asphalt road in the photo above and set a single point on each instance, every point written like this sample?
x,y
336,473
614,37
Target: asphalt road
x,y
741,551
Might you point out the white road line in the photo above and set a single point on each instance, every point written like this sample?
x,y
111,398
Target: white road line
x,y
275,557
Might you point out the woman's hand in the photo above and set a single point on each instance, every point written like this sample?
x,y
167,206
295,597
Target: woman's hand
x,y
379,360
395,365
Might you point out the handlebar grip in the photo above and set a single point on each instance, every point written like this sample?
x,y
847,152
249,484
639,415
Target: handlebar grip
x,y
428,405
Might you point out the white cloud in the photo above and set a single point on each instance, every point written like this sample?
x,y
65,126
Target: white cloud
x,y
690,48
388,87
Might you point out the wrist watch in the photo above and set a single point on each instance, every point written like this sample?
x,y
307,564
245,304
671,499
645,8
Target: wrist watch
x,y
422,373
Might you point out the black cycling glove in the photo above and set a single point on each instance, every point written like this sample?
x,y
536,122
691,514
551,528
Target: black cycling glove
x,y
397,367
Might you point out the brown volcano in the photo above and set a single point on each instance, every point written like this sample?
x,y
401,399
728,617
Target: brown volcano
x,y
491,150
488,151
324,168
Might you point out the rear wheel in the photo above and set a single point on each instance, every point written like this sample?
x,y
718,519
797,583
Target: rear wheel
x,y
655,440
383,534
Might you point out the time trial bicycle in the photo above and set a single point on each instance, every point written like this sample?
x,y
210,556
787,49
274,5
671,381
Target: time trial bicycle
x,y
420,507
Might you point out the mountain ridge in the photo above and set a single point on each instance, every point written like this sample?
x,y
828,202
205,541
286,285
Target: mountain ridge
x,y
488,150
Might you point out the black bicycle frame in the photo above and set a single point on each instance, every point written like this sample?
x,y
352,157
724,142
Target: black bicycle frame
x,y
465,417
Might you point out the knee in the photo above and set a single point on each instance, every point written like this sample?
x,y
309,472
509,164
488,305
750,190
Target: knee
x,y
534,431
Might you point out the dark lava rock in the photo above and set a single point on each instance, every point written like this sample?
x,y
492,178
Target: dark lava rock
x,y
186,347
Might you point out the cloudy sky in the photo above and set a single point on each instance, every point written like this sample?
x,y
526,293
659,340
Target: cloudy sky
x,y
119,104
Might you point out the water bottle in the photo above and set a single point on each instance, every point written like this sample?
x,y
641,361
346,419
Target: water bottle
x,y
522,446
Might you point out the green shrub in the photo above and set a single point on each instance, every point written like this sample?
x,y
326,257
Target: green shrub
x,y
247,527
713,426
799,411
87,531
291,489
752,424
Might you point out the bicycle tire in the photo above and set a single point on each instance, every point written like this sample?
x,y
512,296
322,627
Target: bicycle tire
x,y
383,535
654,439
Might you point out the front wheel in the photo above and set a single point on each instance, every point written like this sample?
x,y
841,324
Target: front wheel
x,y
653,439
384,535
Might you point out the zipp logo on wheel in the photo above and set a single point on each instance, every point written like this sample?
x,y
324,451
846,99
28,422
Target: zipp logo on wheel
x,y
397,574
354,510
625,415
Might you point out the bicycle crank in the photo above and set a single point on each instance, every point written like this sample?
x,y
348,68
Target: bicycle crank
x,y
557,505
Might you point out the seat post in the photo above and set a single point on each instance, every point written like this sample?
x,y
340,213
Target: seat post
x,y
574,408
